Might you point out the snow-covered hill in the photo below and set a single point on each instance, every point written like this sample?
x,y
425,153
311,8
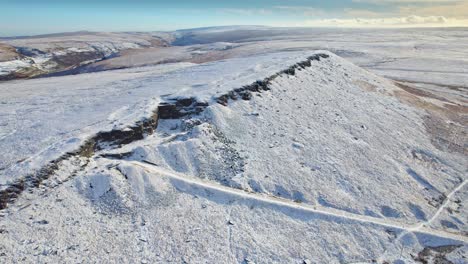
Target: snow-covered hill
x,y
45,118
42,55
287,157
433,56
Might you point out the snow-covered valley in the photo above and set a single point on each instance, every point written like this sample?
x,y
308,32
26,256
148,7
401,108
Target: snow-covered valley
x,y
26,57
254,151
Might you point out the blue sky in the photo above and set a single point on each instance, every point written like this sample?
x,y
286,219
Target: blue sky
x,y
29,17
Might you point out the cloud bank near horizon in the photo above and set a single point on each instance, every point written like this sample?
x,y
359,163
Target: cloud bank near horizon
x,y
49,16
409,21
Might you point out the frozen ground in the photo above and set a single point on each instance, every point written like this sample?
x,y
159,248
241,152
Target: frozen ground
x,y
430,55
44,118
25,57
325,162
419,55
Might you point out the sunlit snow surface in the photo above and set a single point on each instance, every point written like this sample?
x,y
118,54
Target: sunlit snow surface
x,y
329,166
43,118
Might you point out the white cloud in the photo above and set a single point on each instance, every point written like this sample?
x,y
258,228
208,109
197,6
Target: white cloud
x,y
409,21
424,20
407,1
448,8
454,10
245,11
440,13
304,10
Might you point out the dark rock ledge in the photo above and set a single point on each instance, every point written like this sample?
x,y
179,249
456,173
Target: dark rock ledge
x,y
172,109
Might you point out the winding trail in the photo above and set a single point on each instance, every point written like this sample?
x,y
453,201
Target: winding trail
x,y
444,205
192,182
425,225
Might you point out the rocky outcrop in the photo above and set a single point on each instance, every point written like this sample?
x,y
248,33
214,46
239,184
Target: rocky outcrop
x,y
175,108
435,254
178,108
245,92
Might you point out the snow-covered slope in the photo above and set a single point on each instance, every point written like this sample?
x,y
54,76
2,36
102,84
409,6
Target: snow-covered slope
x,y
421,55
44,118
280,158
41,55
320,138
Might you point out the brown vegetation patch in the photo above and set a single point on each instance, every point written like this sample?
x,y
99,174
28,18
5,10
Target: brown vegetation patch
x,y
446,121
8,53
76,58
419,92
365,85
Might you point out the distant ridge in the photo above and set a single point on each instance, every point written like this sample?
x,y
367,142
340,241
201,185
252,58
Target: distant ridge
x,y
61,34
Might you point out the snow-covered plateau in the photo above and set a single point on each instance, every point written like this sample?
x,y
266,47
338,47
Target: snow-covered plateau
x,y
276,157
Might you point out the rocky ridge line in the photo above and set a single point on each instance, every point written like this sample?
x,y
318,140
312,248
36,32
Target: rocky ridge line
x,y
175,108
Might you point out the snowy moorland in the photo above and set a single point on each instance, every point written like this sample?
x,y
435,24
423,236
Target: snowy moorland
x,y
23,57
279,156
430,55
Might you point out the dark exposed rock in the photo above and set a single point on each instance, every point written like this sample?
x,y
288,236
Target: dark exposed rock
x,y
305,64
435,255
168,111
319,56
42,222
223,100
178,108
290,71
116,155
185,102
11,193
86,150
245,92
173,109
246,95
100,140
119,137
